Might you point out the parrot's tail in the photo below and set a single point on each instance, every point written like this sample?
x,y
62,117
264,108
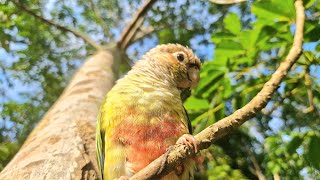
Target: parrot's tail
x,y
100,147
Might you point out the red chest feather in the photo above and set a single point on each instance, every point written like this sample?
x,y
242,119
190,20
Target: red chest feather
x,y
146,142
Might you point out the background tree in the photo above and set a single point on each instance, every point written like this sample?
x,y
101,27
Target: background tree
x,y
42,43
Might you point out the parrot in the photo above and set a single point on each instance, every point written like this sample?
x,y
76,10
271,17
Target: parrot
x,y
143,114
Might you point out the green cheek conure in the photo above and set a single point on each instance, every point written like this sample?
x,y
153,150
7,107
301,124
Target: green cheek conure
x,y
143,114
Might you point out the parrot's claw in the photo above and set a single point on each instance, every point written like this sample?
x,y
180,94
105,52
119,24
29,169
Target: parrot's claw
x,y
188,140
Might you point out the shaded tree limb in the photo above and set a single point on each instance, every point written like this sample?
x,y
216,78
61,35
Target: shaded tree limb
x,y
223,127
58,26
131,29
125,43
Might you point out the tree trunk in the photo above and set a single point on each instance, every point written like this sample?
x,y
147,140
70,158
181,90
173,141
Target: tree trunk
x,y
62,146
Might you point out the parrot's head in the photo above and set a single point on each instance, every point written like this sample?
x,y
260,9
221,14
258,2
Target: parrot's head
x,y
175,63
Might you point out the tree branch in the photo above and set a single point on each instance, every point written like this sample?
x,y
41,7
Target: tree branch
x,y
131,29
206,137
58,26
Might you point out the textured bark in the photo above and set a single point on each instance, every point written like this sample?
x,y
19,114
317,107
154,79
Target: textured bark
x,y
62,146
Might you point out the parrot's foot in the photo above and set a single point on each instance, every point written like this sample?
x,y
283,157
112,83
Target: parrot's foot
x,y
188,140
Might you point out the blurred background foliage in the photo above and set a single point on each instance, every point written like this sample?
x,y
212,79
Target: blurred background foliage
x,y
241,45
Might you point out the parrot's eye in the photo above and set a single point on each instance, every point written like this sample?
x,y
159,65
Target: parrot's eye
x,y
180,57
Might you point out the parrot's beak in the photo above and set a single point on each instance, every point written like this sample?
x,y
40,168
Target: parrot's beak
x,y
194,76
192,79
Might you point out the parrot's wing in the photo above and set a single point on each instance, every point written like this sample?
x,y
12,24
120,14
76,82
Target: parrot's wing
x,y
100,145
188,120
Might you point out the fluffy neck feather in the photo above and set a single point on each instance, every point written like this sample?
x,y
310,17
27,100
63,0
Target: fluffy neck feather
x,y
148,75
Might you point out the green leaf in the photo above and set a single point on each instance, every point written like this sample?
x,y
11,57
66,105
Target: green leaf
x,y
318,47
219,36
308,3
311,29
166,35
169,35
317,6
4,152
194,103
313,155
294,144
265,34
249,38
274,10
227,88
210,91
274,167
238,102
309,56
227,49
220,113
209,81
232,23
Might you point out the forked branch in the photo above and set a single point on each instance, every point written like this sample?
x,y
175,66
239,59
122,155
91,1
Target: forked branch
x,y
131,29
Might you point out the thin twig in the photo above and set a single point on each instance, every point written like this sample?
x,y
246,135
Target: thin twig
x,y
132,32
131,29
58,26
228,124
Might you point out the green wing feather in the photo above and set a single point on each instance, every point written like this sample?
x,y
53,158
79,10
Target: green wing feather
x,y
100,145
188,120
